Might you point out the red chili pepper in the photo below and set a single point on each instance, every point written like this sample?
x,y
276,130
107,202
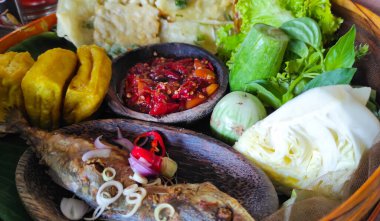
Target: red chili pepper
x,y
150,155
157,139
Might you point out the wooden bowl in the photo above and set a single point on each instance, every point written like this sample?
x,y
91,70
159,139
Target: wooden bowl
x,y
168,50
200,158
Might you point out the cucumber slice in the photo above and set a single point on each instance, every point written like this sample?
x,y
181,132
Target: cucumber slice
x,y
259,56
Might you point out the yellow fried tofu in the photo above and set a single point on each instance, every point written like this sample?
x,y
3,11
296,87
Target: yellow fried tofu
x,y
44,86
13,67
89,86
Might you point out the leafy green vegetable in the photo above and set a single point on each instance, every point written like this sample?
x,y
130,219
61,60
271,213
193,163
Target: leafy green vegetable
x,y
308,72
342,54
304,71
319,10
305,30
335,77
306,63
262,11
298,48
275,13
227,41
11,208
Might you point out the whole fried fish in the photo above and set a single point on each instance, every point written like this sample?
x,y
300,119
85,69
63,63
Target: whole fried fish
x,y
63,154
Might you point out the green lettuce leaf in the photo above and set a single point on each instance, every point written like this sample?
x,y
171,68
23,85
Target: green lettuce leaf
x,y
269,12
228,41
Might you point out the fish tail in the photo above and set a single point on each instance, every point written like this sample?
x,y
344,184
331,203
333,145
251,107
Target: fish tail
x,y
11,120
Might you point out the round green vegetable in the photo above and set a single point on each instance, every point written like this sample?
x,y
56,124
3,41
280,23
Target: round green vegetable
x,y
234,113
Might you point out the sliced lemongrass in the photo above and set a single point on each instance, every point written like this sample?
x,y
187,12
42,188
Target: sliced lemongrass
x,y
102,201
73,209
106,195
136,197
130,189
156,182
142,191
133,211
99,145
97,153
105,175
138,178
161,207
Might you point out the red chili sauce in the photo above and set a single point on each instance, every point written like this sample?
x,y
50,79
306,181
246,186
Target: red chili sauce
x,y
166,85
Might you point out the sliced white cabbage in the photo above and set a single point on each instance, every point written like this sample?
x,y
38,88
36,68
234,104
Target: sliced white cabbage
x,y
75,21
314,141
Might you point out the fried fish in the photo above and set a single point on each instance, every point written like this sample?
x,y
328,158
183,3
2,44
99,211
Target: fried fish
x,y
64,155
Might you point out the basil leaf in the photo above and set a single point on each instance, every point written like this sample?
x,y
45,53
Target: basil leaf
x,y
335,77
304,29
342,54
298,47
